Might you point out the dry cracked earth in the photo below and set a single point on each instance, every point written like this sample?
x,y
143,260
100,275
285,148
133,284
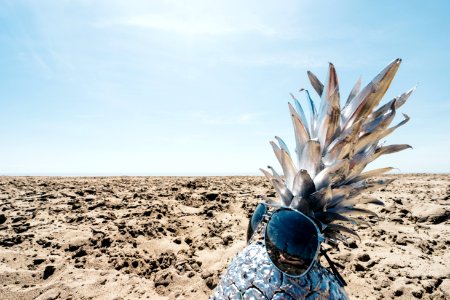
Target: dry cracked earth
x,y
172,237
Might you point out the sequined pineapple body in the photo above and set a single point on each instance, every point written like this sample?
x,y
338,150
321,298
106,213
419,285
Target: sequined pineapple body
x,y
251,275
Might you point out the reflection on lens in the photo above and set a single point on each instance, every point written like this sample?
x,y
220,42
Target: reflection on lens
x,y
257,216
291,241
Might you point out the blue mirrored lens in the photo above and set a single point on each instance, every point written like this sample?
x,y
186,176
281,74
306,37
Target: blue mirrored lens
x,y
291,241
256,218
258,215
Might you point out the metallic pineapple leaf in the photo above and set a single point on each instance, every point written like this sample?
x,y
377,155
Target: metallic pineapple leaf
x,y
317,85
369,97
354,91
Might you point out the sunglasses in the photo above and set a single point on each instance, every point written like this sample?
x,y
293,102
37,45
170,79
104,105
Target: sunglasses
x,y
292,239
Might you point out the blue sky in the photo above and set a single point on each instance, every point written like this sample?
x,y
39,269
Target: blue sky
x,y
200,87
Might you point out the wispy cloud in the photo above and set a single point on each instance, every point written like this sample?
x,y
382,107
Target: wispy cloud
x,y
293,60
224,119
214,118
42,65
188,24
184,139
246,118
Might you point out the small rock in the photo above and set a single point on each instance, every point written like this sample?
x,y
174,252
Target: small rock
x,y
211,196
211,282
73,248
227,240
38,261
445,287
50,195
364,257
353,245
49,270
69,195
164,278
80,253
18,219
89,191
89,198
106,242
428,285
433,213
11,241
402,241
206,274
398,292
359,267
2,218
51,295
171,229
79,193
21,228
385,283
417,293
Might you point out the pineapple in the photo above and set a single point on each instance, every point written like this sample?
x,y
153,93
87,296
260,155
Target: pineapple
x,y
323,180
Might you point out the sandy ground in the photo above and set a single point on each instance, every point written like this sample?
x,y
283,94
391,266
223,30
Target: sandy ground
x,y
171,237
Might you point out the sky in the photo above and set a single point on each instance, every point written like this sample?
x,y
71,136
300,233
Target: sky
x,y
200,87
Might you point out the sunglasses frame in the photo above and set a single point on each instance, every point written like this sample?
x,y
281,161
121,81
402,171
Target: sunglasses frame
x,y
267,216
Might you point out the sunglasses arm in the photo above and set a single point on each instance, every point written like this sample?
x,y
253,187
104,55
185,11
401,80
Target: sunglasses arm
x,y
333,268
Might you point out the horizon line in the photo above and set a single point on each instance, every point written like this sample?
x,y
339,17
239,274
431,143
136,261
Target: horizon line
x,y
181,174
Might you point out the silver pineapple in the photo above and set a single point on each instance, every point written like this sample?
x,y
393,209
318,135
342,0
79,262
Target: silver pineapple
x,y
251,275
324,180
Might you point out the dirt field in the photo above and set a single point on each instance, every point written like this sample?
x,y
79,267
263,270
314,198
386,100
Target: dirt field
x,y
171,237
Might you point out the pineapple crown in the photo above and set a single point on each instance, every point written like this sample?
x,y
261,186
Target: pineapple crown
x,y
324,178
